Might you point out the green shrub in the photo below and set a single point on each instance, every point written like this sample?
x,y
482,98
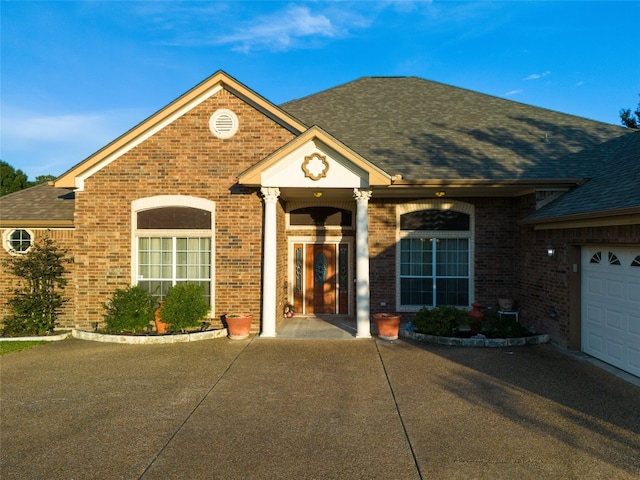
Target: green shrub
x,y
129,310
440,321
184,307
37,298
16,327
494,326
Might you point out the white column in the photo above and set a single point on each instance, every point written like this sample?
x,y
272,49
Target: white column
x,y
270,195
362,263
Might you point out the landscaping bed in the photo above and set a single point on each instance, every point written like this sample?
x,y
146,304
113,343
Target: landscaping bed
x,y
447,325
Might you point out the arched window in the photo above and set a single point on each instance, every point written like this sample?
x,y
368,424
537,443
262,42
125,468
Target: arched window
x,y
173,241
435,254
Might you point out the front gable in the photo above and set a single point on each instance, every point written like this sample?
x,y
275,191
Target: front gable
x,y
76,177
315,160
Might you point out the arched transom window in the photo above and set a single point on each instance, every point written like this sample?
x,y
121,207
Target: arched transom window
x,y
434,260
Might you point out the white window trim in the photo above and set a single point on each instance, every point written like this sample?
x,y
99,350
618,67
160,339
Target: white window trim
x,y
6,241
435,204
160,201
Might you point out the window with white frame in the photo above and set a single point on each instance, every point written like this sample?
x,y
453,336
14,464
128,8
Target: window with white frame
x,y
167,261
18,241
434,254
173,244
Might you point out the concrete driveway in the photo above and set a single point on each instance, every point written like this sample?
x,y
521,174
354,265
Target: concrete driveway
x,y
310,409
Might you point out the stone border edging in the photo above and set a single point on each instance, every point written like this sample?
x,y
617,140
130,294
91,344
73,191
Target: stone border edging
x,y
476,342
148,339
47,338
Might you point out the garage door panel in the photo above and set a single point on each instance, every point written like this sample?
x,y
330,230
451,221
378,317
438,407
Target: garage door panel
x,y
634,358
615,352
611,305
594,343
634,326
594,315
595,286
615,290
615,320
634,293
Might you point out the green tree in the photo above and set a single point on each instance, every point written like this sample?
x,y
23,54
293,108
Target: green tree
x,y
42,179
630,120
11,180
40,278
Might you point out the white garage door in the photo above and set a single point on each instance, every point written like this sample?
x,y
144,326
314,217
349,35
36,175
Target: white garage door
x,y
611,305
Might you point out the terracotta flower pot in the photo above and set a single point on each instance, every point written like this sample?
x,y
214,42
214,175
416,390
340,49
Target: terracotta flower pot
x,y
161,327
475,316
388,325
238,325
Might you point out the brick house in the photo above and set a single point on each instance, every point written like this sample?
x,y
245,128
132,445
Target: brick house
x,y
382,194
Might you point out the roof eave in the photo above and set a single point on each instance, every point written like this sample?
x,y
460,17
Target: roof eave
x,y
620,216
22,223
466,182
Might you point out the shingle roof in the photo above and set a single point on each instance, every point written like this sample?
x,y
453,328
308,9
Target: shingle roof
x,y
426,130
615,187
42,205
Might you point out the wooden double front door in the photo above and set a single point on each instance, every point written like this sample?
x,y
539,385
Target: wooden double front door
x,y
321,283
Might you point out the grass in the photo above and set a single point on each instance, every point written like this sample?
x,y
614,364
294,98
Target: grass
x,y
10,347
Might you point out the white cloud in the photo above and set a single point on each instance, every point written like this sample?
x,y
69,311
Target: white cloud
x,y
251,26
44,143
536,76
280,30
512,92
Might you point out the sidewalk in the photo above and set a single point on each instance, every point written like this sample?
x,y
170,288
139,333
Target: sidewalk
x,y
276,408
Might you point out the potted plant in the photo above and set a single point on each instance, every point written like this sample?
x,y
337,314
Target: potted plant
x,y
161,327
388,325
288,310
475,317
238,325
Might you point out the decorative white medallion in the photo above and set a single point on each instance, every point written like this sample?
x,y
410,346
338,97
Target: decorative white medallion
x,y
315,166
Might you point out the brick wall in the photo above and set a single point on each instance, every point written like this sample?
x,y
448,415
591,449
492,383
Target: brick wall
x,y
184,158
64,240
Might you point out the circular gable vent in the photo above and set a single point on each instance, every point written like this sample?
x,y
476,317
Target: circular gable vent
x,y
223,123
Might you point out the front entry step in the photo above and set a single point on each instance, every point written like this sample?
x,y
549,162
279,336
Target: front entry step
x,y
317,328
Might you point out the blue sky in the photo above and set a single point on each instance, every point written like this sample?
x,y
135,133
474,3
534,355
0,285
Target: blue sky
x,y
76,75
